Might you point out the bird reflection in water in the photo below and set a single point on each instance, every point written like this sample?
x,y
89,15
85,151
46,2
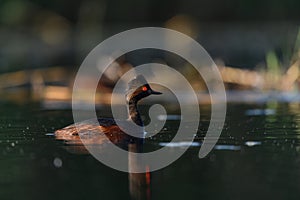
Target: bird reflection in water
x,y
139,183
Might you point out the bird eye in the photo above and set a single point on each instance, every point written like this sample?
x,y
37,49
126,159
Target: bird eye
x,y
144,88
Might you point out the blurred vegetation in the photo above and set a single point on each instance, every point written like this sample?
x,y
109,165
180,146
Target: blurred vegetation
x,y
255,43
38,33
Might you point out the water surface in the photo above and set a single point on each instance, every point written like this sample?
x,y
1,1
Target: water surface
x,y
257,157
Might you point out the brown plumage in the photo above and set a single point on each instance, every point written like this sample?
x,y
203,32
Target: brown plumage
x,y
102,130
92,132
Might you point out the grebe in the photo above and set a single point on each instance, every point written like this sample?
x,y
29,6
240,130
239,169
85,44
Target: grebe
x,y
138,88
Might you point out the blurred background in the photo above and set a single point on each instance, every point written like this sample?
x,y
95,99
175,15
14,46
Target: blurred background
x,y
256,46
255,43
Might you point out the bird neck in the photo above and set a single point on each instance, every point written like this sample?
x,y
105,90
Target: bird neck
x,y
133,112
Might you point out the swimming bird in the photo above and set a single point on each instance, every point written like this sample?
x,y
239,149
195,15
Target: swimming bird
x,y
97,131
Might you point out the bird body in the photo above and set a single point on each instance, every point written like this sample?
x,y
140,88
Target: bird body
x,y
101,130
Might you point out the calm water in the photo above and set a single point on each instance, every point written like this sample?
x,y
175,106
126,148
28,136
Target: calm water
x,y
257,157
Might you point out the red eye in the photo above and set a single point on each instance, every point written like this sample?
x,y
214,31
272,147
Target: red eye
x,y
144,88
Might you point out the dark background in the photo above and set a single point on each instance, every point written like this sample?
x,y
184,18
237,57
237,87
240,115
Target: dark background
x,y
38,34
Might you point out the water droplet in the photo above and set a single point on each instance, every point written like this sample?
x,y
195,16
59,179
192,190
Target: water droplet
x,y
12,144
57,162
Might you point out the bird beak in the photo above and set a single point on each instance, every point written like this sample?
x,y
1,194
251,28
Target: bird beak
x,y
154,92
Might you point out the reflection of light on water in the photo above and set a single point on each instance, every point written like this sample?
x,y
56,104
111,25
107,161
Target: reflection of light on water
x,y
50,134
180,144
168,117
197,144
256,112
252,143
228,147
